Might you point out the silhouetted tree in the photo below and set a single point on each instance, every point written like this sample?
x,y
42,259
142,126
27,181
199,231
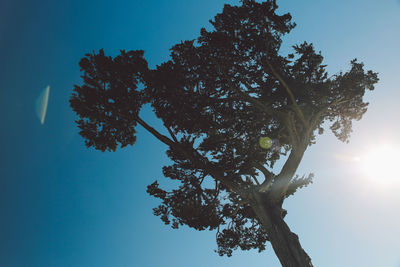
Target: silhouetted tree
x,y
216,97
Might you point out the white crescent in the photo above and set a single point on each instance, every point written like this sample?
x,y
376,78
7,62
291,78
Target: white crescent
x,y
41,104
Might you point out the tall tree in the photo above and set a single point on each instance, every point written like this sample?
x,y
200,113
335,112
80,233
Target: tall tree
x,y
216,97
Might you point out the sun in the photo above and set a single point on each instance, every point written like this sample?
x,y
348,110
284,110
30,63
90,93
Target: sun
x,y
382,162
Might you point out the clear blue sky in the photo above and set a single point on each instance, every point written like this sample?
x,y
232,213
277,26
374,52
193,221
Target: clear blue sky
x,y
64,205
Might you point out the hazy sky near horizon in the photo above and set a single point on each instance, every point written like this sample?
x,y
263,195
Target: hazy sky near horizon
x,y
62,204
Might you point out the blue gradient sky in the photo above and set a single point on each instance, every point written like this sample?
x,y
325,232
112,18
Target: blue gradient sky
x,y
64,205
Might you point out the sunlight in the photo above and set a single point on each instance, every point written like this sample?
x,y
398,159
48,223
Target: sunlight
x,y
380,162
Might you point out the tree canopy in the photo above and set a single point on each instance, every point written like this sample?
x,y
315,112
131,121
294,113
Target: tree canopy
x,y
216,96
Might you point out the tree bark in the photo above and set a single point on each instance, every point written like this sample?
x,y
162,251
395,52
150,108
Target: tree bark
x,y
284,242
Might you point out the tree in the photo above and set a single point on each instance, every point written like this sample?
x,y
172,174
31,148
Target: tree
x,y
216,97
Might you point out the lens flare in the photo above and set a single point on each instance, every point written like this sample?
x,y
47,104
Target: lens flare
x,y
265,142
41,104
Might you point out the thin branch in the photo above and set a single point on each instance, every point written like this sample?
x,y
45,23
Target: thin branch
x,y
203,176
325,109
290,93
154,132
255,179
267,174
172,134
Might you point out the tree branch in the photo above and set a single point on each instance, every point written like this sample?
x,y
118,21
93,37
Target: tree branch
x,y
325,109
154,132
215,172
265,185
267,174
172,134
290,93
293,131
282,180
197,159
255,179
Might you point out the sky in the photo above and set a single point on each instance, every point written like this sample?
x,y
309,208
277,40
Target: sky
x,y
62,204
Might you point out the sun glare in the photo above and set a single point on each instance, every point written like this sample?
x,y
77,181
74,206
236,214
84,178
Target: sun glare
x,y
380,162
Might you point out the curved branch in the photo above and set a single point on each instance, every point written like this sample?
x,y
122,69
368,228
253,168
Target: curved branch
x,y
290,93
267,174
282,180
325,109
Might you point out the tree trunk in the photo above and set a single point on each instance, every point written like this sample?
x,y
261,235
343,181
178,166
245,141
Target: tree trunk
x,y
285,243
